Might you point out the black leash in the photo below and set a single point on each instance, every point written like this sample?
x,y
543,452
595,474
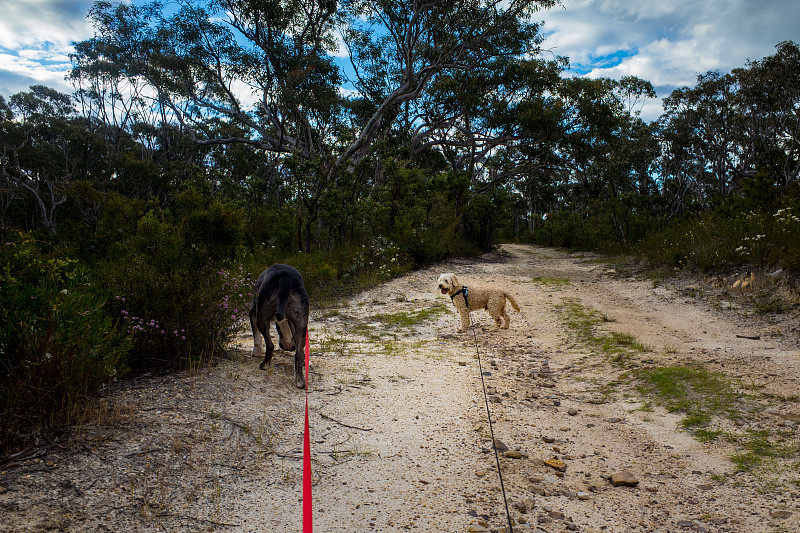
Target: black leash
x,y
489,415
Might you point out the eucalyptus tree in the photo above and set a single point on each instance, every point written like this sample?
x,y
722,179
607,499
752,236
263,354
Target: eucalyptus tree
x,y
44,149
269,67
768,100
730,128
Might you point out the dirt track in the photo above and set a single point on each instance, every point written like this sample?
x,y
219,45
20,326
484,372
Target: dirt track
x,y
400,439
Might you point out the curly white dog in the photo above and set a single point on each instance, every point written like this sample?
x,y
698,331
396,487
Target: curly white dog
x,y
468,299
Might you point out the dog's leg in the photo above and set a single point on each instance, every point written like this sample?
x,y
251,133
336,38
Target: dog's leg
x,y
285,335
258,346
270,348
464,320
506,318
300,356
495,311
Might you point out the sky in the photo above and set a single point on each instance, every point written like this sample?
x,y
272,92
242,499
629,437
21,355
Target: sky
x,y
668,42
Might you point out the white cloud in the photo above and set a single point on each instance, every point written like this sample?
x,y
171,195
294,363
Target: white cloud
x,y
667,43
35,42
349,93
30,23
19,72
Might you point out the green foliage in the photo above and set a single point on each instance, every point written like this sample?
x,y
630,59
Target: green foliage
x,y
724,238
178,301
57,345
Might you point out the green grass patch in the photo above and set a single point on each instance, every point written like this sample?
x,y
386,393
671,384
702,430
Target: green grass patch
x,y
757,448
552,282
696,392
583,322
409,319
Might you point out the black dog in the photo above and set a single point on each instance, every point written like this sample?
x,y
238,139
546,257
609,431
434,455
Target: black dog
x,y
281,295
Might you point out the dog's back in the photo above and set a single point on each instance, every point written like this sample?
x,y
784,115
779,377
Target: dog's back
x,y
280,295
274,288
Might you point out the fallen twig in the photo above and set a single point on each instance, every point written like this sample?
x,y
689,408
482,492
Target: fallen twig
x,y
144,452
752,338
326,417
204,520
30,453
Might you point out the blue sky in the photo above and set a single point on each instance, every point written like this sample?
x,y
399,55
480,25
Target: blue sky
x,y
665,42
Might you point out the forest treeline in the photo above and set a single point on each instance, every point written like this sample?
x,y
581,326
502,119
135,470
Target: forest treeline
x,y
204,142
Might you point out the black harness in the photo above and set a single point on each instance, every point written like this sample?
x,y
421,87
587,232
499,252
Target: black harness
x,y
463,290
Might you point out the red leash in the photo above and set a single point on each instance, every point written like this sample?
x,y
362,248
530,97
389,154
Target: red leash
x,y
308,525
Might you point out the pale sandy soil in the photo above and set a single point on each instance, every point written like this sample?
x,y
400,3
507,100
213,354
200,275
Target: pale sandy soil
x,y
399,430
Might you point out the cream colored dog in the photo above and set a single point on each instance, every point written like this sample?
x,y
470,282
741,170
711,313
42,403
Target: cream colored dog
x,y
468,299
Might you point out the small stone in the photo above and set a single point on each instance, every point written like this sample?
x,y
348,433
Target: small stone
x,y
3,490
685,523
480,473
705,487
548,440
613,420
557,403
500,446
462,363
495,399
559,466
780,515
623,479
477,529
514,454
584,495
556,515
572,412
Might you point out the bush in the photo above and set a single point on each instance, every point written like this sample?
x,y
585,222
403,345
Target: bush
x,y
721,239
57,345
175,300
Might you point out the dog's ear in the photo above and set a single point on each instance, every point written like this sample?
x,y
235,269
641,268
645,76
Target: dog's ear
x,y
453,280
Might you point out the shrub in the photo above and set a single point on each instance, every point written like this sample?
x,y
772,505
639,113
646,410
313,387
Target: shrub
x,y
179,305
57,345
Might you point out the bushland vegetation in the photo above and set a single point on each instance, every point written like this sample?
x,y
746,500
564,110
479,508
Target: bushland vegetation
x,y
202,144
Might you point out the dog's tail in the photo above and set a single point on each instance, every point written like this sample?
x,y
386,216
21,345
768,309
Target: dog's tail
x,y
513,301
284,288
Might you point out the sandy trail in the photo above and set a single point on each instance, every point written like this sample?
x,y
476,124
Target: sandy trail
x,y
399,433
